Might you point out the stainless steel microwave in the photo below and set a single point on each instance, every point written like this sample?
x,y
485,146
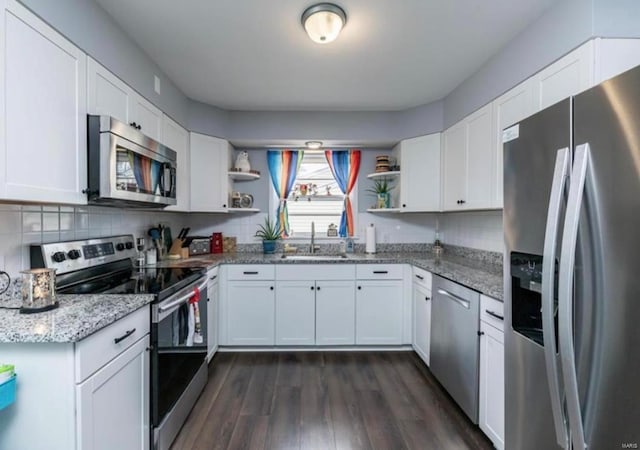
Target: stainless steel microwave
x,y
127,168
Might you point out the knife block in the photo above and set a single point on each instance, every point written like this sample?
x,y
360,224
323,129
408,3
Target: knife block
x,y
177,249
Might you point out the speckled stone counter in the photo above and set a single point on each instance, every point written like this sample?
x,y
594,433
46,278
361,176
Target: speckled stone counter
x,y
481,276
77,317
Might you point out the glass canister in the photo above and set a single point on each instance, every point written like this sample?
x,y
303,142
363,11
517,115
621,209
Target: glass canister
x,y
38,290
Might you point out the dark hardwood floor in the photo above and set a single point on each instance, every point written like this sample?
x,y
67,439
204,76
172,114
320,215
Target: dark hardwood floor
x,y
331,400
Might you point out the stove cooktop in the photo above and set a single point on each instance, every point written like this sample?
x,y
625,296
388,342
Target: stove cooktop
x,y
158,281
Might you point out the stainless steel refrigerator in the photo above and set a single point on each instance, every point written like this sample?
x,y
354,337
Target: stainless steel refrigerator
x,y
572,272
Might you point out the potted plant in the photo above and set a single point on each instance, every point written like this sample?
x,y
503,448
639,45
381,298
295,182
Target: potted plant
x,y
382,189
269,234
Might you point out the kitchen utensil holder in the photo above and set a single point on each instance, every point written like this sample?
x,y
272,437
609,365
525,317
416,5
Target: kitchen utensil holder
x,y
8,392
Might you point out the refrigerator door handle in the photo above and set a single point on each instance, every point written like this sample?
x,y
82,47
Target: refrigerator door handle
x,y
565,294
560,176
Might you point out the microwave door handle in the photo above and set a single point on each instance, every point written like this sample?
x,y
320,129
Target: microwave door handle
x,y
565,293
560,176
172,186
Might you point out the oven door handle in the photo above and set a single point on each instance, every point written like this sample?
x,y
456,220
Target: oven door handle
x,y
185,298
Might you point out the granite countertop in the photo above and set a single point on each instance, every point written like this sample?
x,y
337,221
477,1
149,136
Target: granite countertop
x,y
481,276
77,317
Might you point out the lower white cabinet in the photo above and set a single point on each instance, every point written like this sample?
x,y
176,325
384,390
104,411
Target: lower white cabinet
x,y
379,312
250,313
335,313
213,293
491,416
295,312
113,404
421,321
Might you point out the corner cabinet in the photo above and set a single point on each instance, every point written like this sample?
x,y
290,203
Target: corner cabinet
x,y
209,163
419,160
177,139
109,95
43,127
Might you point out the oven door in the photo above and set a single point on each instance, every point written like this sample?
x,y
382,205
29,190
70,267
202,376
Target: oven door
x,y
126,167
179,340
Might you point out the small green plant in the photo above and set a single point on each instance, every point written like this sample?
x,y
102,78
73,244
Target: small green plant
x,y
381,186
269,231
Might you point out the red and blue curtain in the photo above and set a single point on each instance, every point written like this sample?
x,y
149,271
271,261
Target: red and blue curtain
x,y
345,165
283,168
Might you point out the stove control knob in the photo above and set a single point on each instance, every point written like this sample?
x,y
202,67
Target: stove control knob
x,y
58,257
74,254
120,246
129,245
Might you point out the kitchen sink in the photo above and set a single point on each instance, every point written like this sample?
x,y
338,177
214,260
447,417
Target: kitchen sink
x,y
314,257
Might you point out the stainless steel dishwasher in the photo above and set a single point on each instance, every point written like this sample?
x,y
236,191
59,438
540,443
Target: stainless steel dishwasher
x,y
455,344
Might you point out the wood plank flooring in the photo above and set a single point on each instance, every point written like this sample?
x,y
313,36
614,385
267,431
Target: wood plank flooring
x,y
331,400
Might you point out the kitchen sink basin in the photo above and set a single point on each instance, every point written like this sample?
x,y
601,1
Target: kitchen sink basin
x,y
314,257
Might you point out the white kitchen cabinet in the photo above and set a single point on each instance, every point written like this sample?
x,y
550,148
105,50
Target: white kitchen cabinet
x,y
43,125
469,163
109,95
213,303
209,162
295,312
177,139
508,109
250,313
379,312
421,321
491,401
335,312
419,160
113,404
571,74
614,56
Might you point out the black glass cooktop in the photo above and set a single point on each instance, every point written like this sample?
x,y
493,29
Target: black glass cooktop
x,y
159,281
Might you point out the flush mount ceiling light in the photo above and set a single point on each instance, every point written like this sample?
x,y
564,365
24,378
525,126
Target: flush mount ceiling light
x,y
323,22
313,145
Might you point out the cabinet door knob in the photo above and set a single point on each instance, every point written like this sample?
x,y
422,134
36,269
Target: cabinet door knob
x,y
312,288
404,205
224,206
462,202
318,288
427,298
359,287
480,333
271,288
139,127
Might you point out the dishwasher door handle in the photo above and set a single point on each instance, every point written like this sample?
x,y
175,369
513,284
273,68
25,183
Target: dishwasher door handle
x,y
459,300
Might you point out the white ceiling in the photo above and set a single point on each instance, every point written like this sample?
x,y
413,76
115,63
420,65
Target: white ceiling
x,y
255,55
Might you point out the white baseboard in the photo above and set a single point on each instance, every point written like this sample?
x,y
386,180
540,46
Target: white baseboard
x,y
359,348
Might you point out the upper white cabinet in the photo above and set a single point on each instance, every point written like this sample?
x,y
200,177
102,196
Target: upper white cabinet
x,y
508,109
209,162
614,56
177,139
469,163
567,76
419,160
109,95
43,125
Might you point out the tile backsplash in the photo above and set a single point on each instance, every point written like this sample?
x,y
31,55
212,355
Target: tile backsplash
x,y
479,229
22,225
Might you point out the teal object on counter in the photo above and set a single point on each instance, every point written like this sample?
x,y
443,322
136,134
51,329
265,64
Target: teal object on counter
x,y
8,392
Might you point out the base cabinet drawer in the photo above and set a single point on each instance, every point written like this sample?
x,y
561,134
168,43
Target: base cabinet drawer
x,y
379,312
251,272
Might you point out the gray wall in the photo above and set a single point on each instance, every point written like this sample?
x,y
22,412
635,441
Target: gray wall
x,y
89,27
616,18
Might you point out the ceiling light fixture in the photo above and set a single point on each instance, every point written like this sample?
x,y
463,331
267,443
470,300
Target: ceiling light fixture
x,y
323,22
313,145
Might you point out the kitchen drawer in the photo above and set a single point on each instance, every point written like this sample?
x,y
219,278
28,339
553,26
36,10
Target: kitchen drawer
x,y
212,274
251,272
489,309
421,277
294,272
379,272
98,349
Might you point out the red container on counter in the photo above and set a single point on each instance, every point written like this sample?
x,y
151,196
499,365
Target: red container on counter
x,y
216,243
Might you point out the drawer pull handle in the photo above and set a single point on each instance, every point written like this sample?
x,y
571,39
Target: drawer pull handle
x,y
213,277
493,314
124,336
419,277
380,271
250,273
